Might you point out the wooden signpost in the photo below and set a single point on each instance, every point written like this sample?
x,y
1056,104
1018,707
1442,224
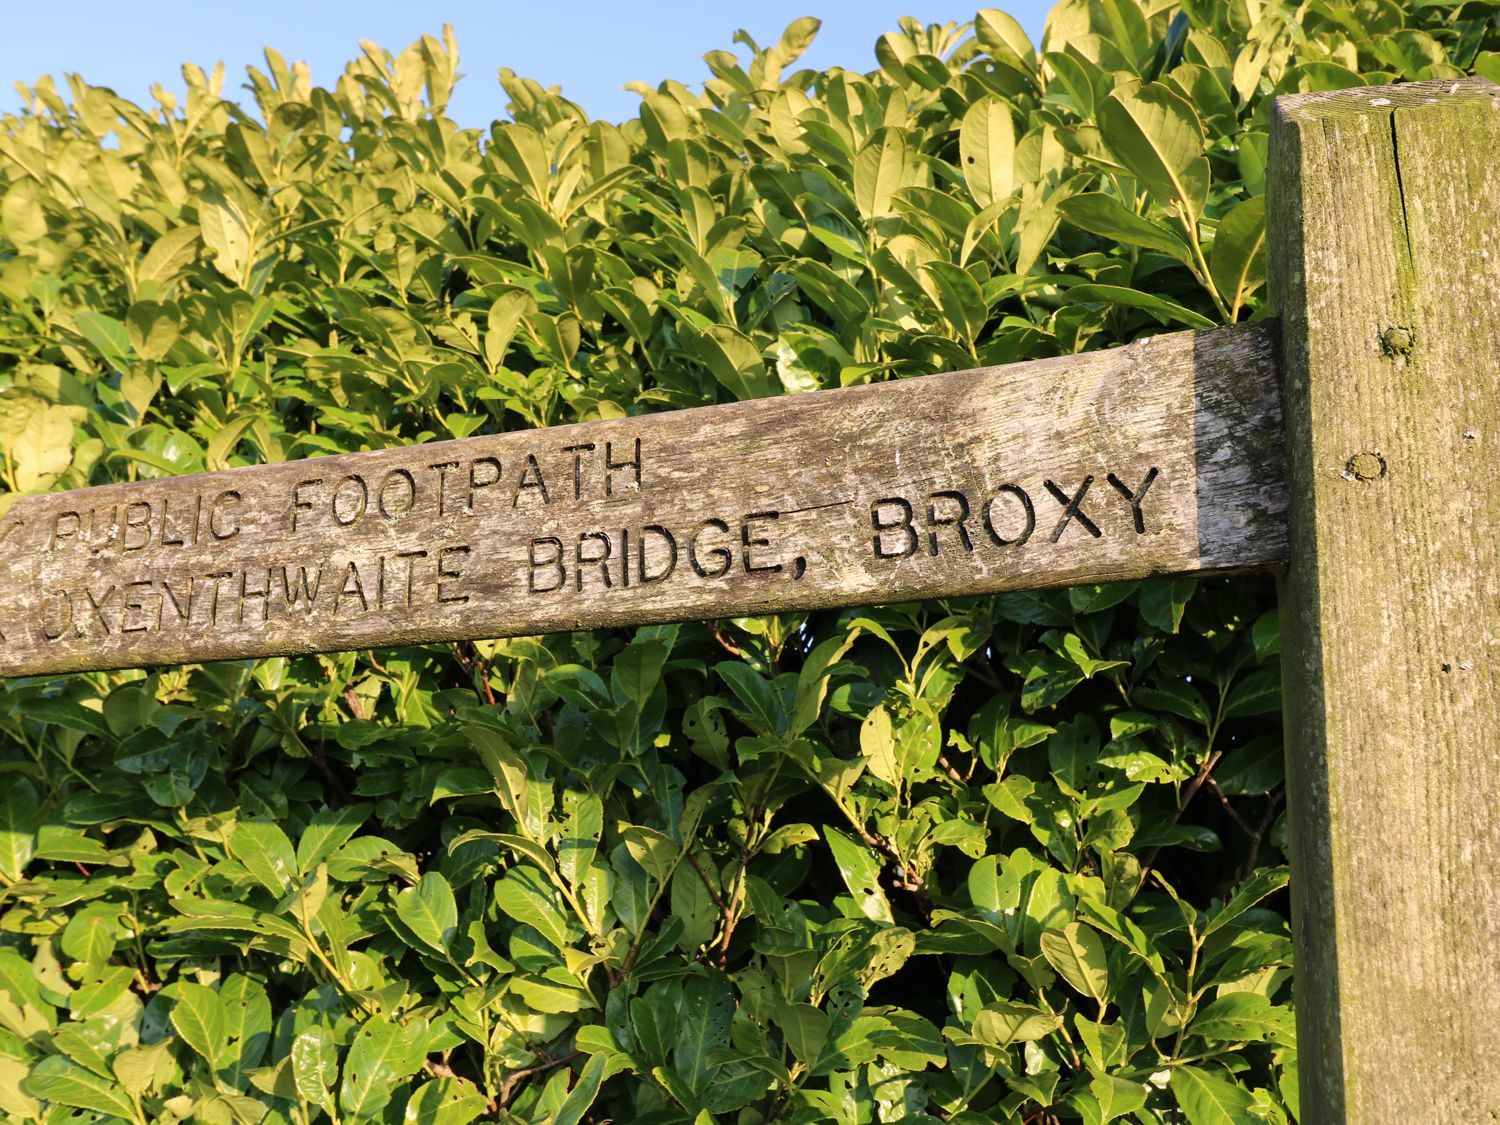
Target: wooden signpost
x,y
1378,495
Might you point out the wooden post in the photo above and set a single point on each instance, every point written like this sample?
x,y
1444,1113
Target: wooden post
x,y
1385,267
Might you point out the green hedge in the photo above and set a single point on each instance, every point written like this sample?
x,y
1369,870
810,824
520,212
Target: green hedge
x,y
1004,859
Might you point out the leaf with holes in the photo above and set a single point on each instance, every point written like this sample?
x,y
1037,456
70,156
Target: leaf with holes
x,y
382,1055
987,150
861,874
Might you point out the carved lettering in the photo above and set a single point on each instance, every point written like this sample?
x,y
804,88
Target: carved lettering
x,y
229,529
353,587
951,518
883,524
261,593
52,627
578,451
1008,514
1072,508
1135,498
722,558
669,544
137,518
531,477
134,604
475,483
410,558
299,503
451,568
540,564
183,610
98,603
58,534
611,465
749,538
166,520
350,499
1028,525
397,494
213,604
599,557
304,590
442,468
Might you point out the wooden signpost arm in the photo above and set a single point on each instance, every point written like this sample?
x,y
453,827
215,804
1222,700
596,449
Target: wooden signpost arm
x,y
1160,457
1384,211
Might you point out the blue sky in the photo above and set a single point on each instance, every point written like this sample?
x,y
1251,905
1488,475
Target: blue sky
x,y
589,48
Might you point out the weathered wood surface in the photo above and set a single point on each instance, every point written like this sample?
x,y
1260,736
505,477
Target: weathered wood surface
x,y
1160,457
1385,238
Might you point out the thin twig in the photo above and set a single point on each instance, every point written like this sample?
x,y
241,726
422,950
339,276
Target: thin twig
x,y
1230,809
527,1072
1204,773
1253,856
728,646
707,883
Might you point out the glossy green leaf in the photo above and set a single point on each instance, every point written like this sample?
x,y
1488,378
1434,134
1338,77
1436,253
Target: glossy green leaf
x,y
877,742
581,1097
18,823
1237,260
58,1081
1264,882
881,168
198,1016
525,896
22,214
1077,953
1106,216
1165,310
430,912
1243,1017
860,870
266,853
1154,133
1003,1023
91,934
987,149
1208,1098
805,1029
315,1066
1117,1097
327,832
37,437
707,1013
383,1054
444,1101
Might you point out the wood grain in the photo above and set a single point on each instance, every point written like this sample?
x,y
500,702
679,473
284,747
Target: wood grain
x,y
1385,267
1160,457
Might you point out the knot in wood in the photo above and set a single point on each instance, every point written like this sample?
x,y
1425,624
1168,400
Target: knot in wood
x,y
1397,342
1365,466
